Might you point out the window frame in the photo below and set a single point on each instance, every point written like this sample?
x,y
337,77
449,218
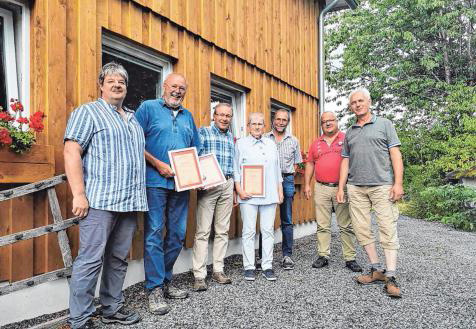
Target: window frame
x,y
275,105
238,94
137,54
17,51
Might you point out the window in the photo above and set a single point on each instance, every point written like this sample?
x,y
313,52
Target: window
x,y
223,91
14,52
275,105
146,68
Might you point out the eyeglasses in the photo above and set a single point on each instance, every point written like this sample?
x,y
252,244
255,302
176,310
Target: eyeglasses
x,y
327,121
256,124
221,115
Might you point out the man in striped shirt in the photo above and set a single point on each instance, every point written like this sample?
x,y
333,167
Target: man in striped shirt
x,y
104,162
289,156
216,201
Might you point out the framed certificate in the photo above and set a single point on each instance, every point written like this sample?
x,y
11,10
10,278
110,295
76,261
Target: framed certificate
x,y
252,180
212,174
186,168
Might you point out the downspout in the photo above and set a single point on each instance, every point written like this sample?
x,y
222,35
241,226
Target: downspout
x,y
352,4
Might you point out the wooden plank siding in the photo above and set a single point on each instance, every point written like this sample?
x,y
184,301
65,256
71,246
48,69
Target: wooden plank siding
x,y
267,46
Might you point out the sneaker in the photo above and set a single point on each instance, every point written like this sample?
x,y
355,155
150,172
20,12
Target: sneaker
x,y
288,263
124,315
391,288
220,278
373,277
320,262
174,293
157,303
269,275
200,285
353,266
249,275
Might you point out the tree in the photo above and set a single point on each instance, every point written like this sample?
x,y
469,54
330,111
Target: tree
x,y
417,58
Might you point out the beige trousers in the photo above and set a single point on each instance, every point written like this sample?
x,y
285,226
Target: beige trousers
x,y
361,200
325,199
214,203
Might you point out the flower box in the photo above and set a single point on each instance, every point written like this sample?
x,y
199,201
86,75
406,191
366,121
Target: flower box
x,y
299,179
36,164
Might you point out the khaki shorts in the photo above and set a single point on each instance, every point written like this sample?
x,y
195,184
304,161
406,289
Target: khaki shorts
x,y
364,198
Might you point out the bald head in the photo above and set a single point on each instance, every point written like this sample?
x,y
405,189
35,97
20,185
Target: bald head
x,y
175,87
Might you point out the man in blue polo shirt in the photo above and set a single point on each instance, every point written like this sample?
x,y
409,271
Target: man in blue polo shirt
x,y
167,126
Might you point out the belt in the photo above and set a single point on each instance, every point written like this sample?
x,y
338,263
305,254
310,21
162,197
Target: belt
x,y
227,177
286,175
329,184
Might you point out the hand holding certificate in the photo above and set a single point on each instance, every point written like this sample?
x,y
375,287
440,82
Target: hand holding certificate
x,y
187,169
252,180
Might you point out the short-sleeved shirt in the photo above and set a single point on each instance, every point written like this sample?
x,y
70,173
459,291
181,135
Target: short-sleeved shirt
x,y
326,158
165,132
288,150
367,148
263,151
113,156
219,143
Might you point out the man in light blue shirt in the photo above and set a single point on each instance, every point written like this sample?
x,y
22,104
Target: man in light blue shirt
x,y
258,150
167,126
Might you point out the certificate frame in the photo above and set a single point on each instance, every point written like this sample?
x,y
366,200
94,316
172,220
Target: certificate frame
x,y
186,178
210,168
250,171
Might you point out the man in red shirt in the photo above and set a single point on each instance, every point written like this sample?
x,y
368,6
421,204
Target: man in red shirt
x,y
323,161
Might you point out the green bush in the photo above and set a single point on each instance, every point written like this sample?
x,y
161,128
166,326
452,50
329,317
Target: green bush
x,y
450,204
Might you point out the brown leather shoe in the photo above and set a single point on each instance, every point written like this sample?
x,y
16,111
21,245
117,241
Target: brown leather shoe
x,y
221,278
200,285
391,288
373,277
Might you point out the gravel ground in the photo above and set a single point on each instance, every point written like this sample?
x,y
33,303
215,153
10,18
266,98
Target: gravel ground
x,y
436,272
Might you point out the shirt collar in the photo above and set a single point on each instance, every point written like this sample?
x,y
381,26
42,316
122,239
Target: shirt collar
x,y
255,141
339,134
372,120
286,134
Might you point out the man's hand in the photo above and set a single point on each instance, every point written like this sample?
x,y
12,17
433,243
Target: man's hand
x,y
396,192
281,196
244,195
235,199
307,191
164,169
80,205
340,196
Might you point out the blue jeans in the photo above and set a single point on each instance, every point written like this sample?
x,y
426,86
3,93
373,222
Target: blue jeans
x,y
167,208
286,214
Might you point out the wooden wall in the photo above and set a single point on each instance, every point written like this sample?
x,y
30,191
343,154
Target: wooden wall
x,y
267,46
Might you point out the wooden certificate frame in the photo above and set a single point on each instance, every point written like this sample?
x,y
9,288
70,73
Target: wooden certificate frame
x,y
252,180
186,167
212,174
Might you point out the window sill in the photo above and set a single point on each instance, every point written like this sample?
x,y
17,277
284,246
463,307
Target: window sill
x,y
34,165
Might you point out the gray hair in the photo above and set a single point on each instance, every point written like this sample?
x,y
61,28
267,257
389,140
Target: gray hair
x,y
255,114
284,111
110,69
362,90
222,105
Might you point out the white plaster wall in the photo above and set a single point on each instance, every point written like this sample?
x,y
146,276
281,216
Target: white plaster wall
x,y
51,297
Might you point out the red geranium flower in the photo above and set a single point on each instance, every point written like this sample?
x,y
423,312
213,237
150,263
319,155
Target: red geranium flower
x,y
5,138
22,120
16,105
36,121
4,116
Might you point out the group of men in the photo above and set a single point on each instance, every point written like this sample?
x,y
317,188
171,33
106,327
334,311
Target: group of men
x,y
117,164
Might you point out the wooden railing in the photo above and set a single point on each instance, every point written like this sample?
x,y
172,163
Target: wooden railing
x,y
59,225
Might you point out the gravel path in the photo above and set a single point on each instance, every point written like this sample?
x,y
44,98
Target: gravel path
x,y
437,274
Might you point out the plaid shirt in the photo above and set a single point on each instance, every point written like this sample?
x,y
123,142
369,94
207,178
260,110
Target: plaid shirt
x,y
113,156
219,143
